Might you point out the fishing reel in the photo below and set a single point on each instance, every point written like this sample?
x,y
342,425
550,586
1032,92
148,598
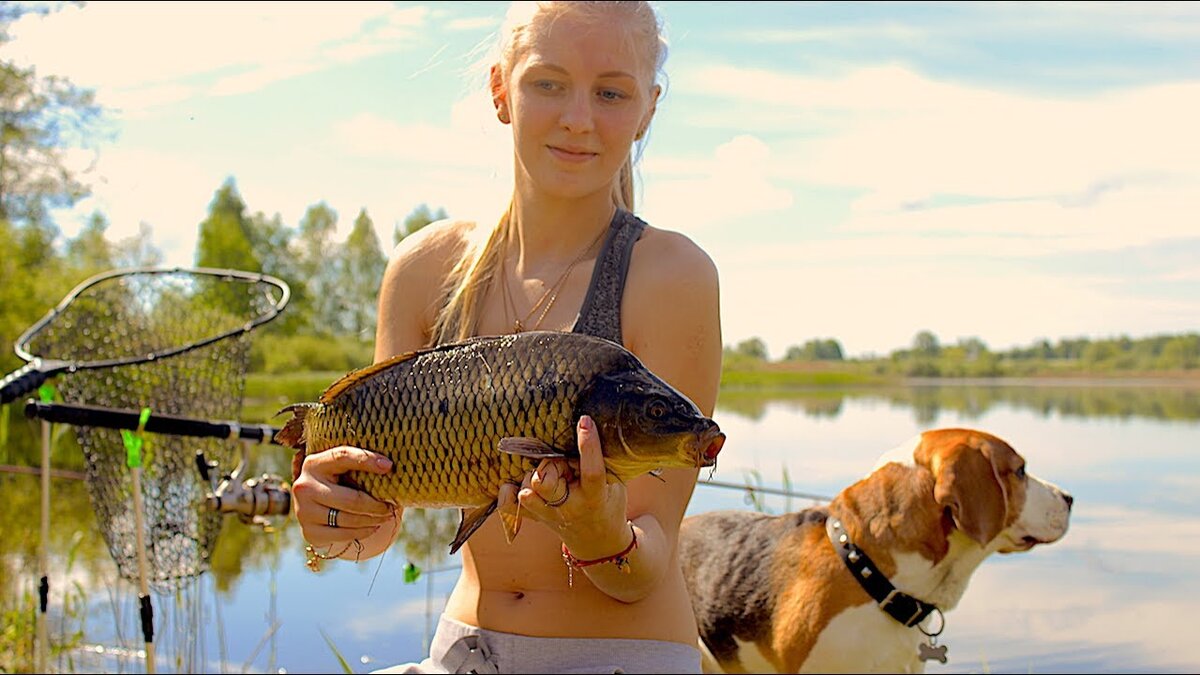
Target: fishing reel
x,y
252,499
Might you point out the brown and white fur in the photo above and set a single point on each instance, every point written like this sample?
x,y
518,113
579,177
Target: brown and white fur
x,y
771,594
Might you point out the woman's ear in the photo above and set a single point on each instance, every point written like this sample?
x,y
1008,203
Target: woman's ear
x,y
499,94
649,113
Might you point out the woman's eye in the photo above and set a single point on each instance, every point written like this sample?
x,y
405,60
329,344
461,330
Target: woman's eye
x,y
611,95
546,85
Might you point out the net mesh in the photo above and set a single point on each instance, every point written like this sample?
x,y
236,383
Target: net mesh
x,y
128,316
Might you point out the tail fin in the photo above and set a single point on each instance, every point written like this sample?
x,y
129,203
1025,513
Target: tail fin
x,y
292,434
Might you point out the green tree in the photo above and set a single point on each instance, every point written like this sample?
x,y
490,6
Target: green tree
x,y
753,348
41,118
815,350
926,343
420,217
224,239
271,242
363,263
90,252
320,265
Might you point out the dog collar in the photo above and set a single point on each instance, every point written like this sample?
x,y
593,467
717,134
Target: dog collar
x,y
900,606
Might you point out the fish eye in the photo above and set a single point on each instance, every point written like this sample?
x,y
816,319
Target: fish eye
x,y
657,409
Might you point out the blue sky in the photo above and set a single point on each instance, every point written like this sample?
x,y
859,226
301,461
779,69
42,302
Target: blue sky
x,y
861,171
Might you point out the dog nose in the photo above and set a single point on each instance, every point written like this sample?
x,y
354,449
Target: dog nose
x,y
1069,499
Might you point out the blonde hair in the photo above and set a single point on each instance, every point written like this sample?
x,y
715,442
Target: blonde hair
x,y
468,283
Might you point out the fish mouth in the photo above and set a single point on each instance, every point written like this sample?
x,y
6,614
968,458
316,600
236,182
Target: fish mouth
x,y
709,445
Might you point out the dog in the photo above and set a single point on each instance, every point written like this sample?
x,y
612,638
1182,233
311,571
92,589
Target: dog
x,y
862,584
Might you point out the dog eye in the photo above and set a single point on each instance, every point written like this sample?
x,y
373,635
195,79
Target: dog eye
x,y
1021,471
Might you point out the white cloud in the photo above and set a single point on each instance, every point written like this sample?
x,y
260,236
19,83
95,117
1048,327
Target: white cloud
x,y
128,51
737,168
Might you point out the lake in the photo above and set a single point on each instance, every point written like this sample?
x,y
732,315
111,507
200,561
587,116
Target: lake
x,y
1116,594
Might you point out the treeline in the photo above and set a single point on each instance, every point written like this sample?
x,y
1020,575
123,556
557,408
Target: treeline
x,y
971,357
329,324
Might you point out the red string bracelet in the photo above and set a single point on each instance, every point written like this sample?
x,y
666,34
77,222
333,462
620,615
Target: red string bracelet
x,y
620,559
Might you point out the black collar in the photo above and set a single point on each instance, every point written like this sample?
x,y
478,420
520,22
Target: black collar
x,y
902,607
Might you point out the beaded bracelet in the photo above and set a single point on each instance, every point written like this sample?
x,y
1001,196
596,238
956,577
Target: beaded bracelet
x,y
620,559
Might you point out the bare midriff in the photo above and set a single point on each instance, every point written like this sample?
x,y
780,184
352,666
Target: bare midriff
x,y
521,588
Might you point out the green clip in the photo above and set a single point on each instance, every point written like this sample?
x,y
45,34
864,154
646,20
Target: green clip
x,y
133,441
47,392
411,573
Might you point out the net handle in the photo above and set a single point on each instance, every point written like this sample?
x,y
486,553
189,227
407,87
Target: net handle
x,y
120,418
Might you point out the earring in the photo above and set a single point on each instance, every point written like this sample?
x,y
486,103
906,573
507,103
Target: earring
x,y
502,115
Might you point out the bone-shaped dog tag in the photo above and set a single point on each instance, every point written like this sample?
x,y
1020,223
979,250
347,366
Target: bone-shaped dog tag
x,y
931,651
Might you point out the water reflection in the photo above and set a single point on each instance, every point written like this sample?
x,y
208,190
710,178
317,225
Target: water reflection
x,y
928,400
1115,595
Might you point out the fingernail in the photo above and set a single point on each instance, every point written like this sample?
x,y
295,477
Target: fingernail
x,y
586,423
383,462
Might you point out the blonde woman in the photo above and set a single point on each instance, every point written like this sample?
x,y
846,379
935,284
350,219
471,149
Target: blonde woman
x,y
577,84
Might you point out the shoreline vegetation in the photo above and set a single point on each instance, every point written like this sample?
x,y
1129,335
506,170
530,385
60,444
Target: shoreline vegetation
x,y
286,369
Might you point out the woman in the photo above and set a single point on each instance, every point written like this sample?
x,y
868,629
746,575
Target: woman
x,y
576,83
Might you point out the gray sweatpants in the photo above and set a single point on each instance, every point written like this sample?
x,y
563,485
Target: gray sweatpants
x,y
460,648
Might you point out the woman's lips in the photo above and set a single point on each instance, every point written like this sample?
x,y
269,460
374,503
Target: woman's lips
x,y
573,156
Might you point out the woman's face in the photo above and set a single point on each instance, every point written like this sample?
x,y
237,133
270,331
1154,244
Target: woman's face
x,y
577,98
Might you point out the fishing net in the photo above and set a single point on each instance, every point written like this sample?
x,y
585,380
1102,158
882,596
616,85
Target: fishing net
x,y
131,319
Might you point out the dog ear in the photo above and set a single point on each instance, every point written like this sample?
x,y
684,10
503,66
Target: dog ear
x,y
968,485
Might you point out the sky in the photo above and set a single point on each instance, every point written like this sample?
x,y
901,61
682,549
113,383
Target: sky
x,y
857,171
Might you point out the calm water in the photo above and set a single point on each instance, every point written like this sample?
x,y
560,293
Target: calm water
x,y
1118,593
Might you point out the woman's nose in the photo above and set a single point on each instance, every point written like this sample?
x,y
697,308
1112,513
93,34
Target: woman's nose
x,y
577,113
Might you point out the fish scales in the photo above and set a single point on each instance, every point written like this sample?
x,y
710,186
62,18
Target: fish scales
x,y
439,431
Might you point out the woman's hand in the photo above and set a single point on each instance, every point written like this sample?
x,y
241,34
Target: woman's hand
x,y
586,510
591,516
358,516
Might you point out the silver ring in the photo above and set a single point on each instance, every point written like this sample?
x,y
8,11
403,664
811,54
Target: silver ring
x,y
332,519
561,500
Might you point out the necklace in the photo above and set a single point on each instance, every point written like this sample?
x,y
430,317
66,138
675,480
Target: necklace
x,y
548,296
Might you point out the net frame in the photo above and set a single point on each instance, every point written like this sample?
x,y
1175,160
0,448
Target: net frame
x,y
175,341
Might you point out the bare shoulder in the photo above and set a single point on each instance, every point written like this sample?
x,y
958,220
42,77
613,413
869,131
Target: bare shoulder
x,y
671,280
414,283
671,258
437,244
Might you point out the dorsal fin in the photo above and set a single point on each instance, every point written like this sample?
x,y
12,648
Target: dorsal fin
x,y
354,377
350,379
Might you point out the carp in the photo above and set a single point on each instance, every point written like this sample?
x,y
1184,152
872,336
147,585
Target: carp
x,y
459,420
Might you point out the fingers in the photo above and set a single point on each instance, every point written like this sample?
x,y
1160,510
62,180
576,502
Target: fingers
x,y
339,460
592,476
316,491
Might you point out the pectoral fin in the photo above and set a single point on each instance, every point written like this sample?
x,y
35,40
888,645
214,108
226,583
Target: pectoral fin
x,y
529,447
510,511
471,520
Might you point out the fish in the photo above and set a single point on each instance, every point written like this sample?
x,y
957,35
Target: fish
x,y
461,419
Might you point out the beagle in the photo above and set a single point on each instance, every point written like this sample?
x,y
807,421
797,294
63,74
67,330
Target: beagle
x,y
861,585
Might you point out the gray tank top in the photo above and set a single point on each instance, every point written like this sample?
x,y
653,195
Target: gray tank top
x,y
600,314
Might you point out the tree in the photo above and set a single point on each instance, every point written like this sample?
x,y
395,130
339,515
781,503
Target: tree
x,y
224,239
90,252
753,347
926,344
363,264
320,265
41,118
815,350
420,217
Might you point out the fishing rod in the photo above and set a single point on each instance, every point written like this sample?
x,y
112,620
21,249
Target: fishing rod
x,y
250,498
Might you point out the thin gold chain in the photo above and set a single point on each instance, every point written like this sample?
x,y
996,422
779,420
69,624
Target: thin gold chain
x,y
551,292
